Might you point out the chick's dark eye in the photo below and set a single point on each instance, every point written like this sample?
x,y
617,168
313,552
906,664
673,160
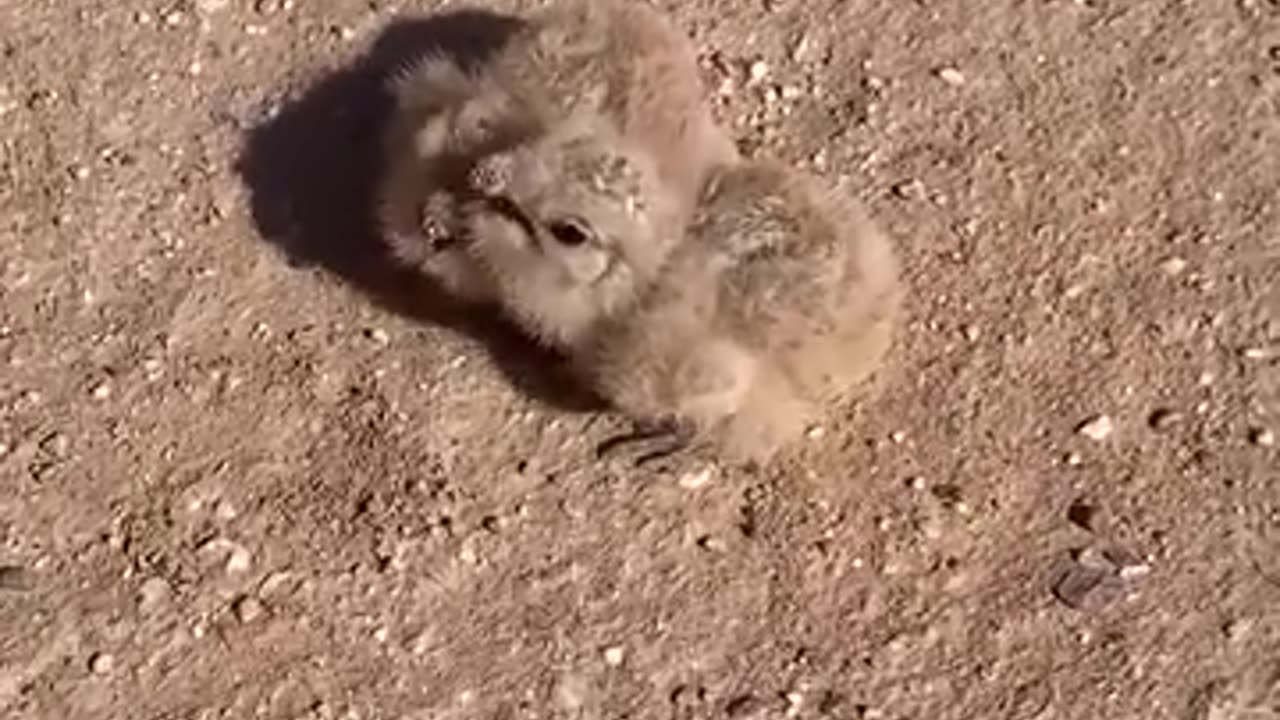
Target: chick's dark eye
x,y
570,233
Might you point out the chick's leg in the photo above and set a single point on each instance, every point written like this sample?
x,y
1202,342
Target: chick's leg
x,y
651,440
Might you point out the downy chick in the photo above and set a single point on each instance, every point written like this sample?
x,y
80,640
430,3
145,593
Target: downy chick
x,y
781,297
569,227
622,61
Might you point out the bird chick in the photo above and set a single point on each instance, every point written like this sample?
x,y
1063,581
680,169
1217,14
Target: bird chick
x,y
780,298
568,227
623,61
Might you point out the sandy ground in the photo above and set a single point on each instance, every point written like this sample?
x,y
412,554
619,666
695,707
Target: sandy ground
x,y
248,472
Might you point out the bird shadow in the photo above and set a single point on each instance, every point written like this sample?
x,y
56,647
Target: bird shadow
x,y
312,171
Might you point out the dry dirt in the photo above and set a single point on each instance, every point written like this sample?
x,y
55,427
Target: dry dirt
x,y
248,472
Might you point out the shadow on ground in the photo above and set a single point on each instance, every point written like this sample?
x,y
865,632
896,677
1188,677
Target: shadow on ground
x,y
312,171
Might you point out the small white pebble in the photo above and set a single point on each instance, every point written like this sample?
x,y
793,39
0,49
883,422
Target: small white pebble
x,y
759,70
1133,572
239,559
1263,437
1173,266
898,437
379,336
817,432
102,663
951,76
102,391
1098,428
695,479
614,656
248,609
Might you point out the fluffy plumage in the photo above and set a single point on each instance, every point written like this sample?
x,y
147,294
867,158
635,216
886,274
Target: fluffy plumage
x,y
621,62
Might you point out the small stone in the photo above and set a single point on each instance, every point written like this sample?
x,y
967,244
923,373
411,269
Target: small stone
x,y
758,71
711,543
1097,428
56,444
1133,572
801,49
248,609
153,593
695,479
153,367
898,437
239,559
817,432
614,656
1257,353
101,391
1262,437
951,76
1163,419
101,663
1173,266
224,510
1079,587
378,335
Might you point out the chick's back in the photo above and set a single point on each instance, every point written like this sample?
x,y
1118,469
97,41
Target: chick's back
x,y
781,298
